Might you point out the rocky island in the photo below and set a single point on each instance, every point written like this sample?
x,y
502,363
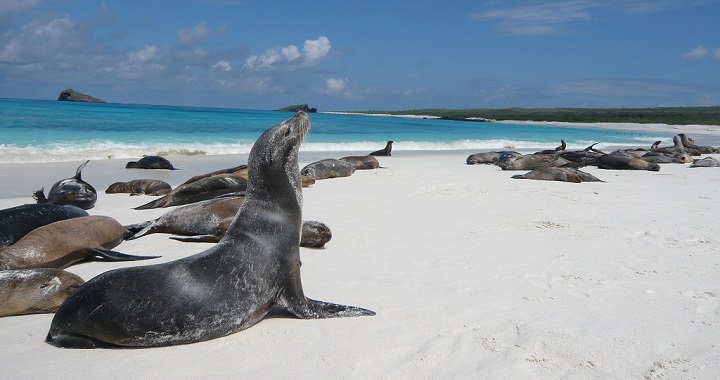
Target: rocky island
x,y
71,95
298,107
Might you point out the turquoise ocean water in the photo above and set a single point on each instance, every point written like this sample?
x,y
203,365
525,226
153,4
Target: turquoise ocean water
x,y
47,130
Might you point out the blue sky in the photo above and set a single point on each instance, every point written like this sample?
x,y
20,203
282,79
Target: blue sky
x,y
350,55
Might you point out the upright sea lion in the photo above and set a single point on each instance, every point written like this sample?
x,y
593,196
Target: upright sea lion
x,y
362,162
328,168
62,243
16,222
140,186
385,151
690,143
70,191
200,190
150,162
220,291
40,290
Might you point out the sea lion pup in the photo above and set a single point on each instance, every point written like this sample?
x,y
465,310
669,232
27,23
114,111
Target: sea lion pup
x,y
362,162
707,162
385,151
690,143
31,291
16,222
490,157
328,168
200,190
220,291
622,161
207,221
150,162
140,186
62,243
70,191
558,174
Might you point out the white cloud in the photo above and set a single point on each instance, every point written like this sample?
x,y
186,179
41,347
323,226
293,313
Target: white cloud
x,y
313,51
537,19
223,65
696,53
144,55
334,86
40,41
198,33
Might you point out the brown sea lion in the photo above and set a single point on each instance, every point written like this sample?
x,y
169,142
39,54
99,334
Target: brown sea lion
x,y
62,243
558,174
200,190
362,162
31,291
140,186
533,161
620,161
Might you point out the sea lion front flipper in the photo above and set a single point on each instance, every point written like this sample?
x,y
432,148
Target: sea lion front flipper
x,y
109,255
197,238
312,309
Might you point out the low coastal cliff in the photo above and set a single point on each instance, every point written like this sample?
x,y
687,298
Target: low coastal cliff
x,y
71,95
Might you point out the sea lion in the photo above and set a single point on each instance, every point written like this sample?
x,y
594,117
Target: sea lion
x,y
200,190
557,149
385,151
225,289
621,161
690,143
140,186
490,157
558,174
328,168
31,291
533,161
707,162
16,222
150,162
62,243
362,162
240,170
70,191
207,221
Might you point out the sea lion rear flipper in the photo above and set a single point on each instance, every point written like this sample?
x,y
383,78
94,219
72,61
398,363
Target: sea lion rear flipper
x,y
67,340
312,309
79,170
109,255
138,229
197,238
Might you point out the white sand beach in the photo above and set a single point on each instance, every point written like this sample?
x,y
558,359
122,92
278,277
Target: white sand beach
x,y
472,275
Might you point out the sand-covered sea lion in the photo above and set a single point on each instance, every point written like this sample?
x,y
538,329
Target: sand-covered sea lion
x,y
558,174
70,191
707,162
18,221
150,162
31,291
533,161
362,162
328,168
220,291
385,151
140,186
200,190
490,157
62,243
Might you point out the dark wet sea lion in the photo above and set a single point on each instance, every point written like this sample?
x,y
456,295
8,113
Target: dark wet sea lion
x,y
140,186
60,244
620,161
32,291
220,291
490,157
315,234
70,191
362,162
240,170
150,162
200,190
16,222
328,168
385,151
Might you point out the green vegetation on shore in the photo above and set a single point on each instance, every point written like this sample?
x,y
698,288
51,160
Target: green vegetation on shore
x,y
663,115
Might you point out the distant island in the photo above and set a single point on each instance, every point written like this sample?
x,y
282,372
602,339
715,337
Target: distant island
x,y
71,95
659,115
298,107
